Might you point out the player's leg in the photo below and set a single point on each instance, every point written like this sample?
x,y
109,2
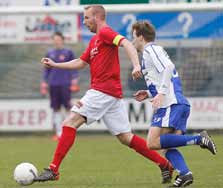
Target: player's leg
x,y
163,123
166,117
70,125
139,145
174,156
74,120
89,109
185,176
66,97
57,121
167,125
61,96
116,120
55,103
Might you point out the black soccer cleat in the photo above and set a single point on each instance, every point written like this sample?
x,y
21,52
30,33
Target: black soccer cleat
x,y
47,175
183,180
166,173
207,143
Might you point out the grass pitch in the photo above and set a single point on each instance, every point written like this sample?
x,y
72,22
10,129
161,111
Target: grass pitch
x,y
99,161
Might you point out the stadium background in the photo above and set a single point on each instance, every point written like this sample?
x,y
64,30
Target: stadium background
x,y
193,39
98,160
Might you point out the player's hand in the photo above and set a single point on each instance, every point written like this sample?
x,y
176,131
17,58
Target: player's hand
x,y
157,101
43,88
140,95
136,73
47,62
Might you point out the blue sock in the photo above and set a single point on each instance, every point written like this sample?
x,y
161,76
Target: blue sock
x,y
174,140
177,161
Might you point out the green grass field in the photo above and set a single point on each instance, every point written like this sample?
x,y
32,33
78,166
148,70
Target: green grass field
x,y
99,161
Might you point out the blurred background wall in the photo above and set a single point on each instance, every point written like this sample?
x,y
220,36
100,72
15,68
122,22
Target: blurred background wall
x,y
192,38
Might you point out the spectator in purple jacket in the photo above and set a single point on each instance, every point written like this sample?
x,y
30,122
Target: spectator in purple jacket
x,y
60,83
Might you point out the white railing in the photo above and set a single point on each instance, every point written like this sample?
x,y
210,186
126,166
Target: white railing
x,y
116,8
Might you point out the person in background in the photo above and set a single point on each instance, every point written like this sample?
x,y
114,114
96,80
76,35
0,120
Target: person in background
x,y
59,83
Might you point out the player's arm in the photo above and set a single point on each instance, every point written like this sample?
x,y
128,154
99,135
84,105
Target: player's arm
x,y
111,37
44,83
73,64
46,70
133,56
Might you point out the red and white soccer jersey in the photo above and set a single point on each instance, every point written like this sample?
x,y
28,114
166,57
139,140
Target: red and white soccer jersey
x,y
102,56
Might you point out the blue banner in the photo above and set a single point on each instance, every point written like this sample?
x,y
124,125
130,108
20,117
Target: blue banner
x,y
169,25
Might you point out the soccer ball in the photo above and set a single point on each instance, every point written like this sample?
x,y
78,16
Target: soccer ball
x,y
25,173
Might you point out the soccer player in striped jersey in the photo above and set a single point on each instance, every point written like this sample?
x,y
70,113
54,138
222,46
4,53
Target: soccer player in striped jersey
x,y
104,98
171,108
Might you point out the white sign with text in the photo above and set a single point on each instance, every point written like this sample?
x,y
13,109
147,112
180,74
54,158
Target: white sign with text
x,y
36,115
25,115
37,28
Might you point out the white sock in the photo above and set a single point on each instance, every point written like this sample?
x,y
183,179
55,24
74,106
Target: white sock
x,y
57,120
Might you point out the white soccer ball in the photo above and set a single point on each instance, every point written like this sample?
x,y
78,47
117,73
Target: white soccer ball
x,y
25,173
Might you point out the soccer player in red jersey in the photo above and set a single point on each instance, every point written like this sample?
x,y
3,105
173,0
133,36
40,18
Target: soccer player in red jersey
x,y
104,98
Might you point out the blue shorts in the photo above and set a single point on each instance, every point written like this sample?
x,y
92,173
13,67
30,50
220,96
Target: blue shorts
x,y
60,96
174,116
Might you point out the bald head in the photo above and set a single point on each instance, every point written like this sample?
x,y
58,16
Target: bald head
x,y
97,10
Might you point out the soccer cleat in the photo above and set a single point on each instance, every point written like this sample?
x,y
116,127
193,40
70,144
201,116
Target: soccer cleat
x,y
207,142
47,175
166,173
183,180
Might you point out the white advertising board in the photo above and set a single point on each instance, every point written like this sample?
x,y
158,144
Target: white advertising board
x,y
33,115
37,28
25,115
37,2
206,113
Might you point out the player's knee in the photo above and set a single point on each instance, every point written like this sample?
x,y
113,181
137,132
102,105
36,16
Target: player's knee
x,y
125,138
123,141
74,120
68,121
152,144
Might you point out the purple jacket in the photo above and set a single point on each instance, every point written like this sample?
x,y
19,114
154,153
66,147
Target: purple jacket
x,y
55,76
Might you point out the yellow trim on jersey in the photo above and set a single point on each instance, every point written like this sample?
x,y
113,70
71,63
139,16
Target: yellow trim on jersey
x,y
117,39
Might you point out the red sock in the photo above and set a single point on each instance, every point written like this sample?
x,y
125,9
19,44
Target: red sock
x,y
139,145
66,141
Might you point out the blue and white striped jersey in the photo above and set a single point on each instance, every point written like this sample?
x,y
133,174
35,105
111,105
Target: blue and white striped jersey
x,y
161,76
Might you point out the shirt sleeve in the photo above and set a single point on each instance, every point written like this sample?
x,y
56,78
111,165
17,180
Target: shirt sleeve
x,y
159,57
86,55
110,37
